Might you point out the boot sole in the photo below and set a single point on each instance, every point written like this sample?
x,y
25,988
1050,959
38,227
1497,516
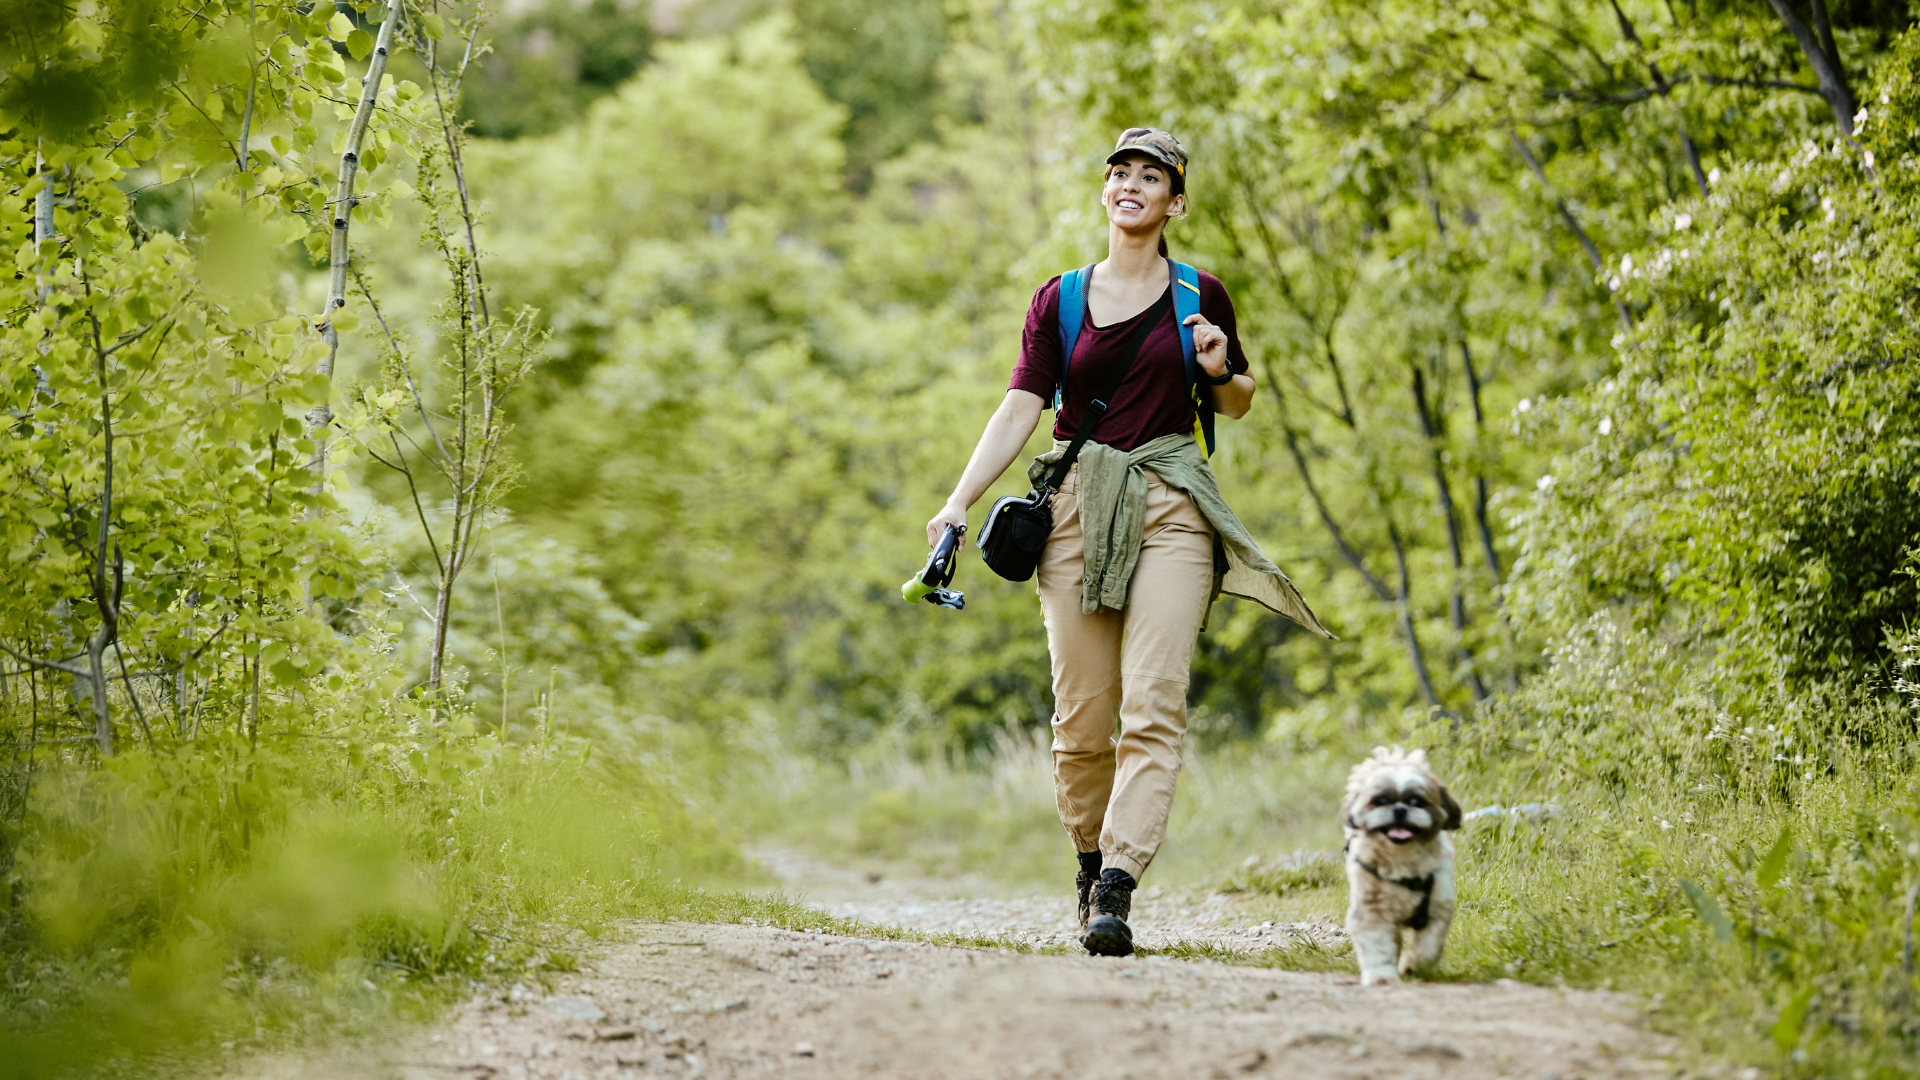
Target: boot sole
x,y
1107,936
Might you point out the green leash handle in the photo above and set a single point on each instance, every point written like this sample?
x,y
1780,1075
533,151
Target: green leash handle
x,y
930,584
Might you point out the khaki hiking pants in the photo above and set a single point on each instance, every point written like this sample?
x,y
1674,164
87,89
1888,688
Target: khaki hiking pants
x,y
1127,669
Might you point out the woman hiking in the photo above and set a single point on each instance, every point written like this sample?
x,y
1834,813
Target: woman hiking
x,y
1141,540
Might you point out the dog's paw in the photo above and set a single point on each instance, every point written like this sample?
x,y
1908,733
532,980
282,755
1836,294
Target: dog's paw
x,y
1377,978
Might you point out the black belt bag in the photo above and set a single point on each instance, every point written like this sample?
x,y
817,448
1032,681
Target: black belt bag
x,y
1015,534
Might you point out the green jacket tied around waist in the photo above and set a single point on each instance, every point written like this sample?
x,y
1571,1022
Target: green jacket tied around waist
x,y
1112,495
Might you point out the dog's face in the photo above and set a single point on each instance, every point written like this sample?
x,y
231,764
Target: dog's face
x,y
1395,796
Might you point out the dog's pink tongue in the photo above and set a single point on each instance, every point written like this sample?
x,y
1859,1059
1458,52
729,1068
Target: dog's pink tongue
x,y
1399,834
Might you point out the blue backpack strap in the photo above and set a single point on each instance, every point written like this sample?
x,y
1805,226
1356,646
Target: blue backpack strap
x,y
1073,314
1186,302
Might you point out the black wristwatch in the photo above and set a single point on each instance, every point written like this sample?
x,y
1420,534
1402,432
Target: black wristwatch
x,y
1225,377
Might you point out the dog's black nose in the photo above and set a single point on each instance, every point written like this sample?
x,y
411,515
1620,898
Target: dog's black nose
x,y
1399,813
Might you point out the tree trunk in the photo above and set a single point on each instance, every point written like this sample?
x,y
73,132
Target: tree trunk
x,y
1416,657
1443,491
1573,225
1405,610
106,597
42,215
97,690
442,607
1665,90
321,415
42,202
1487,551
1823,59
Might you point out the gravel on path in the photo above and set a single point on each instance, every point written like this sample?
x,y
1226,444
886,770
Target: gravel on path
x,y
1162,917
687,1000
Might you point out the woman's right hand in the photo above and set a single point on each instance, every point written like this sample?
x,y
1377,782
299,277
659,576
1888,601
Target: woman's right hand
x,y
949,515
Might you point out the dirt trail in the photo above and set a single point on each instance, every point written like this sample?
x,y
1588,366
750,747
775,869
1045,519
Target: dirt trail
x,y
1161,916
684,1000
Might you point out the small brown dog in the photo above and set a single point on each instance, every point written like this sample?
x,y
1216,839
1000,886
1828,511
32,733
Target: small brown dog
x,y
1399,863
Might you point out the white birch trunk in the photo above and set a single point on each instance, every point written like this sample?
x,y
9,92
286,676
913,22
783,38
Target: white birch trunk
x,y
42,214
321,415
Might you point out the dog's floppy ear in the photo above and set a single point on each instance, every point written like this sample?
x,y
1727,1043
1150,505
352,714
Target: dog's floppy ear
x,y
1451,808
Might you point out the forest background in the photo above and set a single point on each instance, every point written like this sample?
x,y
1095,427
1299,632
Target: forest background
x,y
450,511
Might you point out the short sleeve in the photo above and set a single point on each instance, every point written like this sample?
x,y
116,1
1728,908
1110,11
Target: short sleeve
x,y
1038,369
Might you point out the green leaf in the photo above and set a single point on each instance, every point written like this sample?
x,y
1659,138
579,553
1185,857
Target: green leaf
x,y
339,28
1708,909
360,44
434,25
1786,1031
1775,864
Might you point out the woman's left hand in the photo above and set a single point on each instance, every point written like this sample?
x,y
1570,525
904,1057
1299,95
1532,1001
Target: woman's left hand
x,y
1209,345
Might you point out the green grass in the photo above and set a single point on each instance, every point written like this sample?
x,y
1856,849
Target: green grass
x,y
995,816
1739,858
1299,955
1742,862
166,904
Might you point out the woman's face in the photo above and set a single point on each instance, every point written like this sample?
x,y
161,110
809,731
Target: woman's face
x,y
1139,195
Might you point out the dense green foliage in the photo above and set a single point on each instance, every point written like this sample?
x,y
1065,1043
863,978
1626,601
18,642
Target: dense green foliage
x,y
881,61
1587,419
227,810
550,61
1419,311
1768,408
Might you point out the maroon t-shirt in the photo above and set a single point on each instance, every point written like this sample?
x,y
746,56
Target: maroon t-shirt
x,y
1153,400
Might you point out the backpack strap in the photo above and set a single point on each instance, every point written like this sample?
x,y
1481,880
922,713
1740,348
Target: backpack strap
x,y
1073,315
1186,301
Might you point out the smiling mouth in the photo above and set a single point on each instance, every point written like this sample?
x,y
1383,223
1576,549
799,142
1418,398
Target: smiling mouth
x,y
1399,834
1129,204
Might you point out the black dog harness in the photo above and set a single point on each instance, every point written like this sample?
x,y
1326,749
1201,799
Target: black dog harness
x,y
1423,885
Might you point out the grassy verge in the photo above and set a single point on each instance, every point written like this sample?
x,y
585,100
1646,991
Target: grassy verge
x,y
230,895
1744,860
1236,805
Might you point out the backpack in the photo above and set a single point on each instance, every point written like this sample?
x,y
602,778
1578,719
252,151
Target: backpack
x,y
1186,301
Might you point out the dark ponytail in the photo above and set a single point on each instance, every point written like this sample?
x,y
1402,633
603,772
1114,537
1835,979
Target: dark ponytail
x,y
1163,245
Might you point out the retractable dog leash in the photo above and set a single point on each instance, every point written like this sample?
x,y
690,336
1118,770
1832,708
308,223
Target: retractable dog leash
x,y
930,584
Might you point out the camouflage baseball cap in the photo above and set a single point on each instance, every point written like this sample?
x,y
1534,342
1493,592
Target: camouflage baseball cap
x,y
1153,143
